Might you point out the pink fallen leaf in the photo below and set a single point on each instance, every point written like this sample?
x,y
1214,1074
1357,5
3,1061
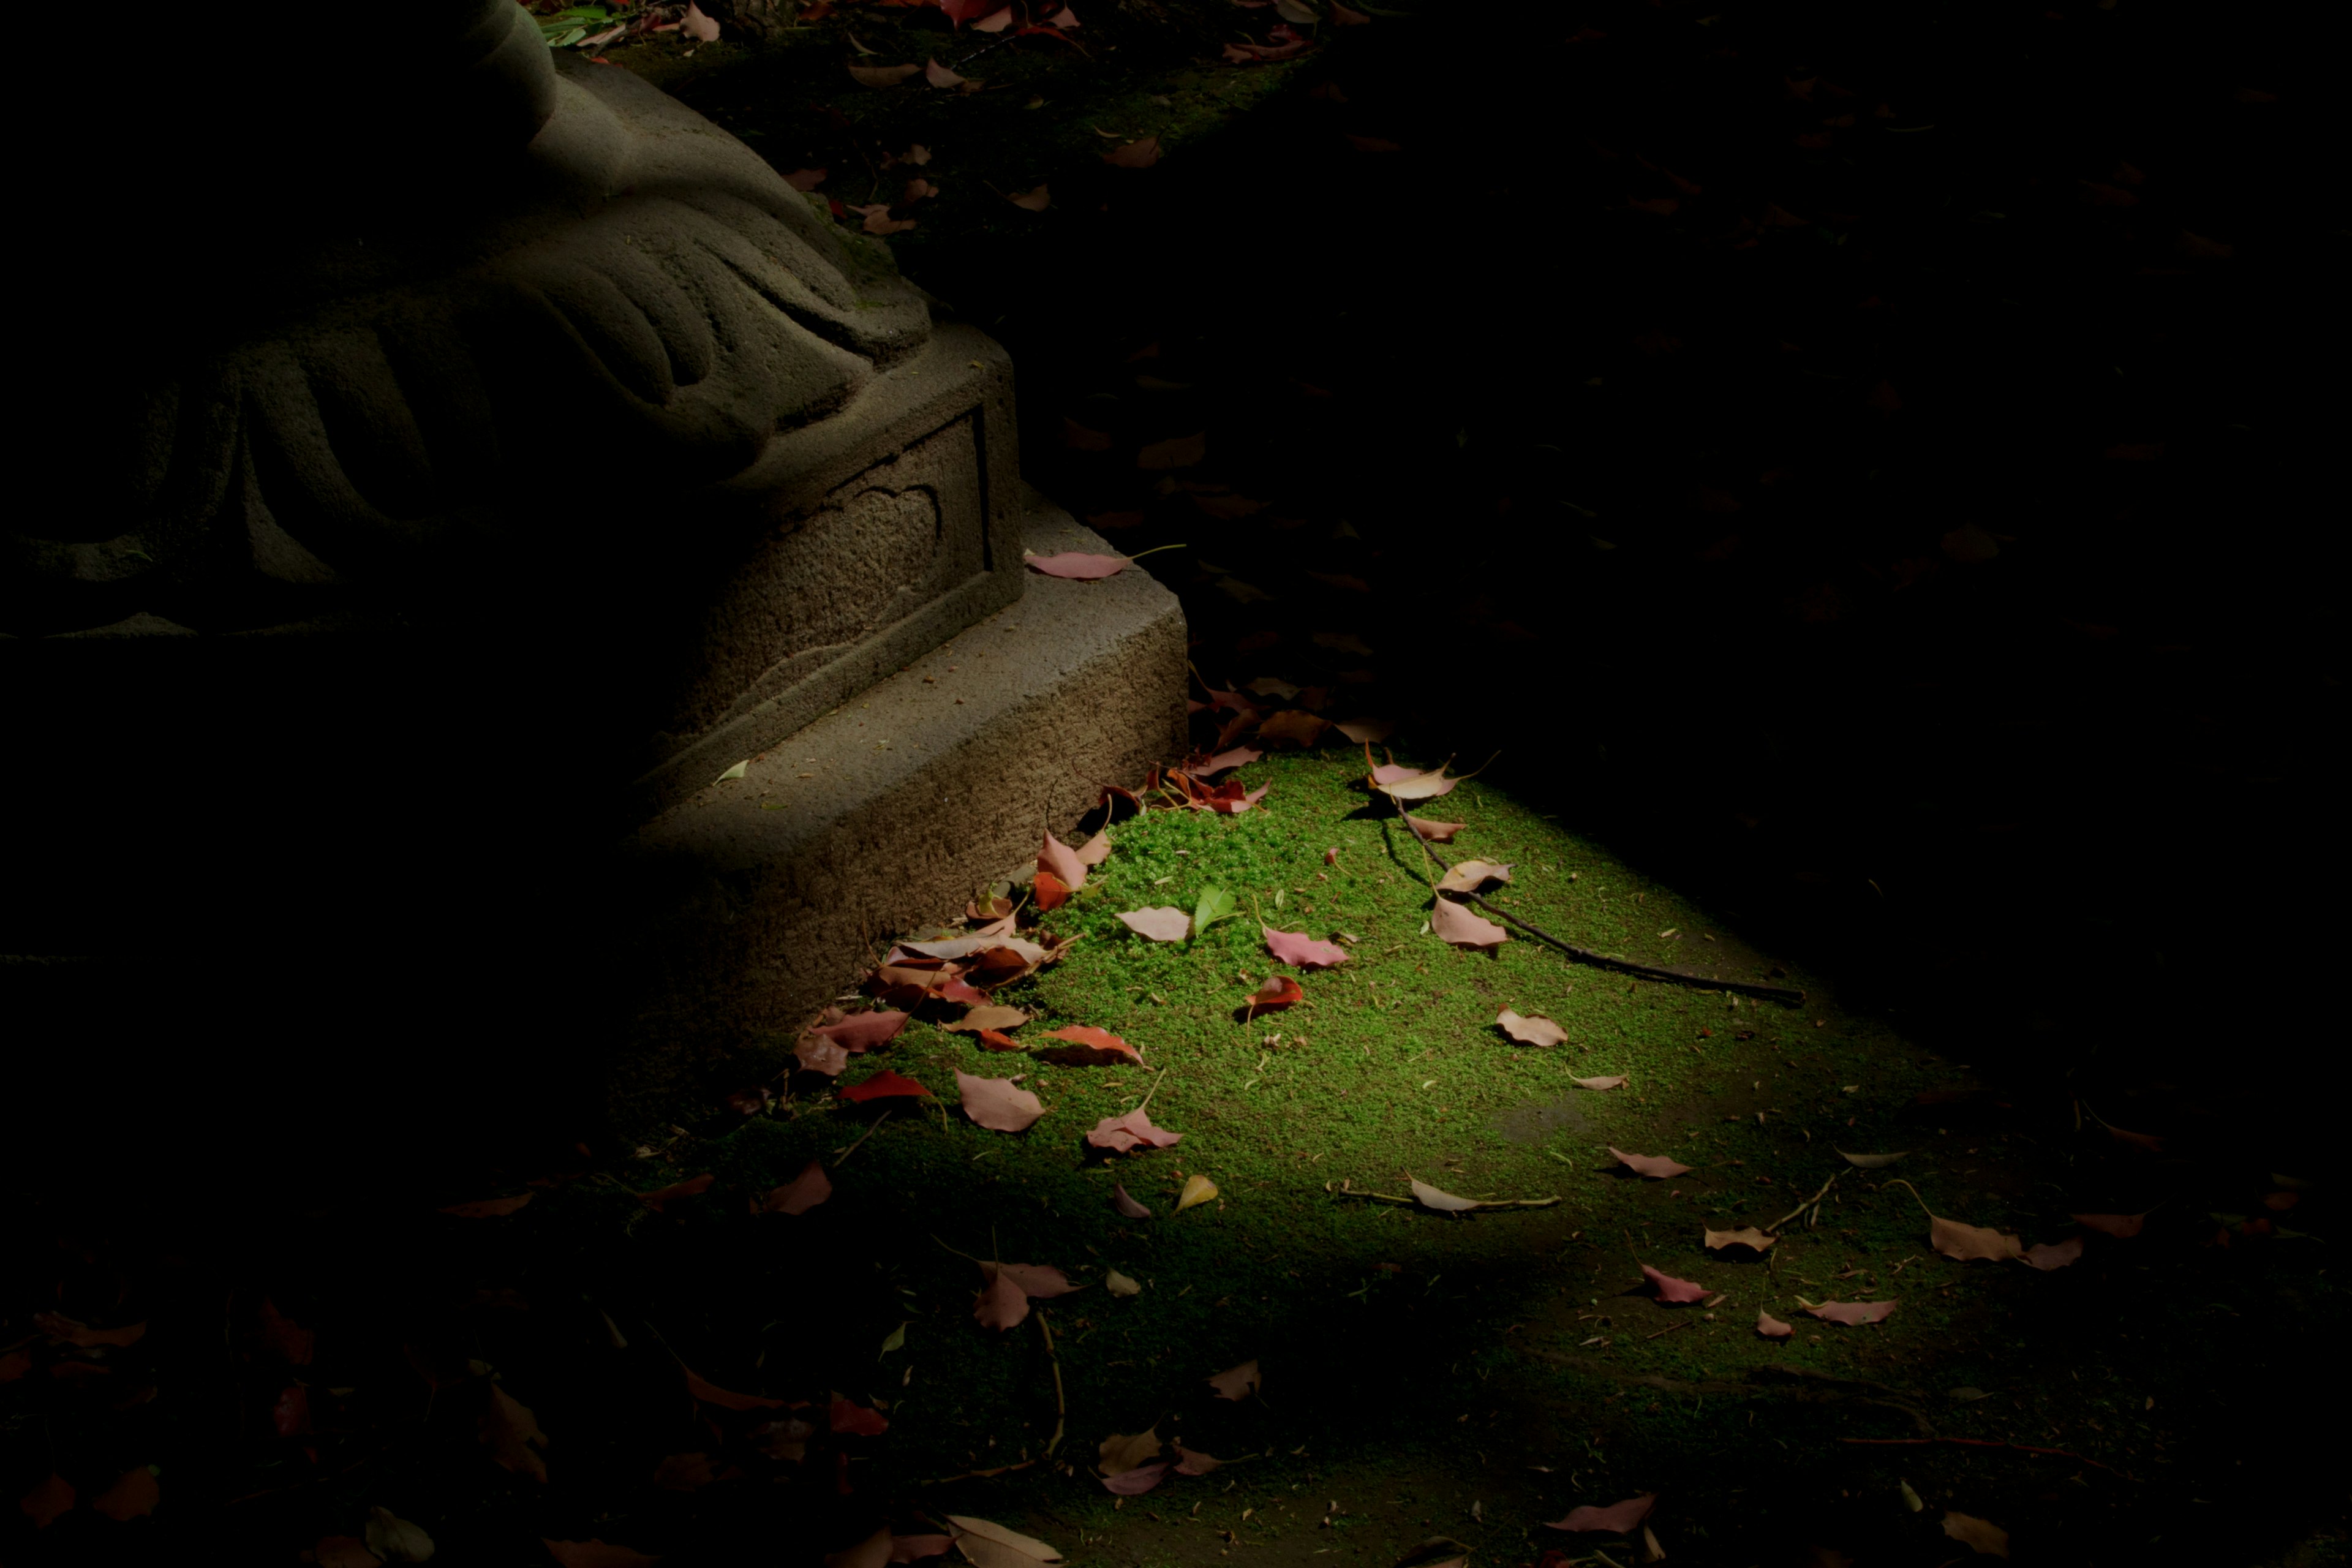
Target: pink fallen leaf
x,y
1747,1236
938,75
1531,1031
1655,1166
800,1194
1034,201
1304,951
1469,876
1135,154
1240,756
1673,1290
1770,1327
1063,862
690,1187
884,1085
1188,1463
1123,1451
490,1208
856,1419
1968,1242
998,1103
1095,850
1451,922
1436,832
1133,1131
2122,1226
1280,991
915,1548
2054,1254
1853,1312
1237,1382
1616,1082
881,75
1088,1046
1137,1481
996,21
1065,17
1177,452
817,1054
863,1031
1001,1304
1126,1205
1158,924
1444,1201
702,30
1078,564
1620,1517
1981,1536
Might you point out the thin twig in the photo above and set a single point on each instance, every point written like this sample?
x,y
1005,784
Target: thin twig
x,y
1149,1093
1061,1405
1982,1443
1601,960
1481,1203
1810,1203
862,1137
1670,1328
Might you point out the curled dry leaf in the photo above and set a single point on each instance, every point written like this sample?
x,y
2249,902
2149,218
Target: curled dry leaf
x,y
1089,1047
1121,1452
1080,565
1435,832
1618,1081
1118,1284
1655,1166
1133,1131
1981,1536
1137,1481
510,1432
1871,1162
1469,876
1237,1382
1747,1236
2122,1226
1621,1516
1531,1031
1968,1242
885,1085
1158,924
1451,922
1280,991
490,1208
800,1194
992,1015
1431,1197
998,1103
1305,952
1198,1189
2054,1255
1770,1327
1852,1312
1125,1202
991,1545
1673,1290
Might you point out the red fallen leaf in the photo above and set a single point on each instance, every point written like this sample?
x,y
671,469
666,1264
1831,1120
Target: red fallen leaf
x,y
915,1548
1613,1081
1133,1131
998,1103
1089,1047
863,1031
1621,1516
65,1330
962,11
1770,1327
1968,1242
684,1189
1852,1312
1885,398
881,75
1298,949
1135,154
1981,1536
1050,892
1034,201
511,1433
1659,206
708,1393
596,1553
1673,1290
1449,921
1435,832
800,1194
490,1208
1279,992
1228,799
1531,1031
1245,54
1240,756
47,1500
1137,1481
1587,35
1078,564
1655,1166
2054,1255
990,1040
1065,17
856,1419
1177,452
290,1340
292,1414
1295,725
884,1085
1126,1205
1237,1382
1158,924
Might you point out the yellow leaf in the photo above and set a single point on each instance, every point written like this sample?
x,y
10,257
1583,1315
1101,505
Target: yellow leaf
x,y
1198,1189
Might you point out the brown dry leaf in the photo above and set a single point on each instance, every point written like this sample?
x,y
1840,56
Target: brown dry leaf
x,y
1034,201
881,75
800,1194
1293,725
1451,922
1981,1536
1436,832
2054,1255
1531,1031
1469,876
1190,1463
1121,1452
1618,1081
1158,924
1088,1046
1850,1313
343,1551
1747,1236
511,1433
987,1544
998,1103
1237,1383
817,1054
1655,1166
1135,154
995,1016
1968,1242
1431,1197
1198,1189
938,75
693,1186
1772,1328
915,1548
1049,892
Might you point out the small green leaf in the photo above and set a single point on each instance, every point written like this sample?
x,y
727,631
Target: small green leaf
x,y
898,1339
734,773
1216,905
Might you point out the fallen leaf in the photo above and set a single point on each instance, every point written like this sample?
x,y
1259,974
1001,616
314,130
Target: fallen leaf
x,y
817,1054
2122,1226
490,1208
47,1500
1852,1312
1983,1537
1469,876
1135,154
1049,892
800,1194
1118,1284
1034,201
1295,725
289,1339
938,75
993,1015
1621,1516
1237,1382
863,1031
1747,1236
708,1393
693,1186
1188,1463
881,75
1198,1189
1616,1082
998,1103
1121,1200
1435,832
1078,564
1670,1289
1280,991
1240,756
1089,1047
1137,1481
991,1545
1655,1166
1531,1031
1215,904
856,1419
873,1552
596,1553
1093,851
1132,1130
1870,1161
1119,1453
1159,924
342,1551
915,1548
1770,1327
885,1085
1064,862
1967,1242
511,1433
1304,951
1431,1197
1451,922
1179,452
2054,1255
